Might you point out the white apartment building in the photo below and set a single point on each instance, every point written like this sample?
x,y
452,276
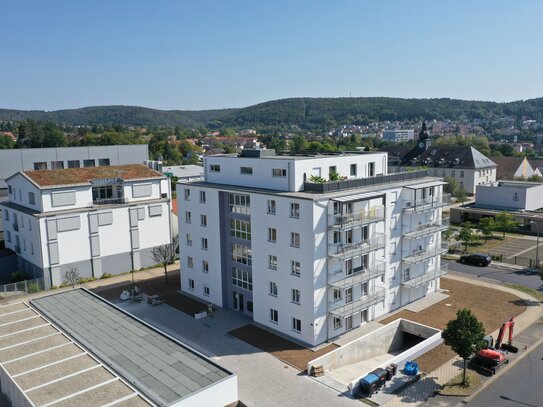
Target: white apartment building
x,y
310,260
98,219
398,135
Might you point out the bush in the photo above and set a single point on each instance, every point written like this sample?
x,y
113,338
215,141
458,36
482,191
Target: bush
x,y
54,287
18,276
106,275
33,288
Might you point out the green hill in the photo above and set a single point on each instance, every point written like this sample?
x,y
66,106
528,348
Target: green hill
x,y
306,113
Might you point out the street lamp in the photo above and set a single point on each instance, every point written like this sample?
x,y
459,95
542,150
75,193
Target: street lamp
x,y
537,244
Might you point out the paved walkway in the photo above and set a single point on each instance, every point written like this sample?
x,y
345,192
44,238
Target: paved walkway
x,y
419,392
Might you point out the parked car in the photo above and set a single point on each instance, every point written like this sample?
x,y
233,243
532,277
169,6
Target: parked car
x,y
476,258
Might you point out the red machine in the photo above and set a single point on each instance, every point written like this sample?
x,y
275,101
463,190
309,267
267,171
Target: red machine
x,y
509,324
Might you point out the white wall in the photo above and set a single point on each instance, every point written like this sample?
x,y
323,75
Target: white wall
x,y
509,195
20,187
220,394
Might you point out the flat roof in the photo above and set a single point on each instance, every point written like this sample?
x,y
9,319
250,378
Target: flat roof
x,y
76,176
157,365
301,156
51,369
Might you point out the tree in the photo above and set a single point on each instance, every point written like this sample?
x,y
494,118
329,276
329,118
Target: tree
x,y
505,221
466,235
460,195
486,227
164,255
6,143
71,277
449,233
464,335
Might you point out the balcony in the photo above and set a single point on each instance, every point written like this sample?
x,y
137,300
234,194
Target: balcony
x,y
425,278
427,228
109,201
375,214
417,256
359,275
340,309
345,250
15,227
424,204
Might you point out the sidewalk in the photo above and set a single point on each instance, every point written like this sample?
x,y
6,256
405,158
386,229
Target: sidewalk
x,y
419,392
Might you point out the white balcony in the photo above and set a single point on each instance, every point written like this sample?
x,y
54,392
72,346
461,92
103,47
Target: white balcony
x,y
345,250
425,278
375,214
358,275
417,256
424,204
427,228
340,309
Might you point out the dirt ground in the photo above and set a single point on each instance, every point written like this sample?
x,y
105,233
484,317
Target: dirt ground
x,y
491,307
282,349
167,291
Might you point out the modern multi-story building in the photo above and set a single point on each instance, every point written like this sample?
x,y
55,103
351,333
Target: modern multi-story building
x,y
310,260
98,219
398,135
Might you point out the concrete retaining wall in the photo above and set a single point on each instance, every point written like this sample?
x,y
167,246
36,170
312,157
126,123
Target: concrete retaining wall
x,y
14,393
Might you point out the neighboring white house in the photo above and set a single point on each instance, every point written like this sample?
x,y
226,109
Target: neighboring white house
x,y
185,172
510,195
98,219
311,260
398,135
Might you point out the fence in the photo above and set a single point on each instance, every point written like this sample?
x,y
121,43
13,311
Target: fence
x,y
13,290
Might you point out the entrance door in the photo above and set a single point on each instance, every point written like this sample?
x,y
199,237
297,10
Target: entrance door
x,y
237,301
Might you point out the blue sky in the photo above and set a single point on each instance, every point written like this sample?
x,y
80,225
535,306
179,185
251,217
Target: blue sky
x,y
199,54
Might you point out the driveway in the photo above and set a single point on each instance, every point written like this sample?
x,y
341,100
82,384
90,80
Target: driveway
x,y
263,380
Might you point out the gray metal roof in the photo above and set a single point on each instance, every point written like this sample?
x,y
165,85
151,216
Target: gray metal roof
x,y
160,367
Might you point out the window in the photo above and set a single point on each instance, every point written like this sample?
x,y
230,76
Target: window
x,y
202,196
187,194
295,239
272,262
337,294
453,173
10,190
240,229
337,323
242,254
515,196
348,295
296,325
215,168
295,296
103,162
203,220
295,268
40,166
273,288
274,315
332,169
349,208
271,206
189,240
406,275
353,170
31,248
242,278
294,210
6,214
349,236
246,170
9,236
57,165
371,169
240,204
364,316
102,193
206,290
279,172
272,235
191,284
187,217
89,163
205,266
337,208
190,262
74,164
461,174
31,198
204,243
364,289
349,267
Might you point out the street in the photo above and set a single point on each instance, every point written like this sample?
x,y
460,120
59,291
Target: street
x,y
499,272
521,386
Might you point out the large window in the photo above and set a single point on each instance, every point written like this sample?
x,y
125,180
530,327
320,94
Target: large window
x,y
103,162
204,243
188,217
337,323
295,296
202,196
246,170
31,198
279,172
205,266
74,164
242,278
187,194
40,166
89,163
242,254
353,170
190,262
215,168
240,204
57,165
100,193
240,229
203,220
273,288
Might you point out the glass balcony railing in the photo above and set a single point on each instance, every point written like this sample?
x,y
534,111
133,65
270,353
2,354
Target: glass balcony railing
x,y
430,202
416,256
423,229
342,309
414,282
344,250
375,214
109,201
358,275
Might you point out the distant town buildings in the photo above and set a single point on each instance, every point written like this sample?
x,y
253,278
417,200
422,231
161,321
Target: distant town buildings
x,y
398,135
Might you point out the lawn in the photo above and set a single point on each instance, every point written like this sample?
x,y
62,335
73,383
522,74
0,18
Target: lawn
x,y
455,387
490,306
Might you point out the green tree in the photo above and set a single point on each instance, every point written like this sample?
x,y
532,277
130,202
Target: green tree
x,y
507,150
464,335
486,227
460,195
505,222
466,234
6,143
449,233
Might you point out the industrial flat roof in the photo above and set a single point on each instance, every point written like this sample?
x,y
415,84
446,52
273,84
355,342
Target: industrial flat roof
x,y
51,369
160,367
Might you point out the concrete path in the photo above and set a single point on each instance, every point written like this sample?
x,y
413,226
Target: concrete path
x,y
419,392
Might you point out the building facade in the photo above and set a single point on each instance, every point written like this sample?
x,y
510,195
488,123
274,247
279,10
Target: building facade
x,y
310,260
99,219
399,135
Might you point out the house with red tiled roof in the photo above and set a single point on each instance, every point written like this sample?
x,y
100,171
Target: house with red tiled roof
x,y
96,220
